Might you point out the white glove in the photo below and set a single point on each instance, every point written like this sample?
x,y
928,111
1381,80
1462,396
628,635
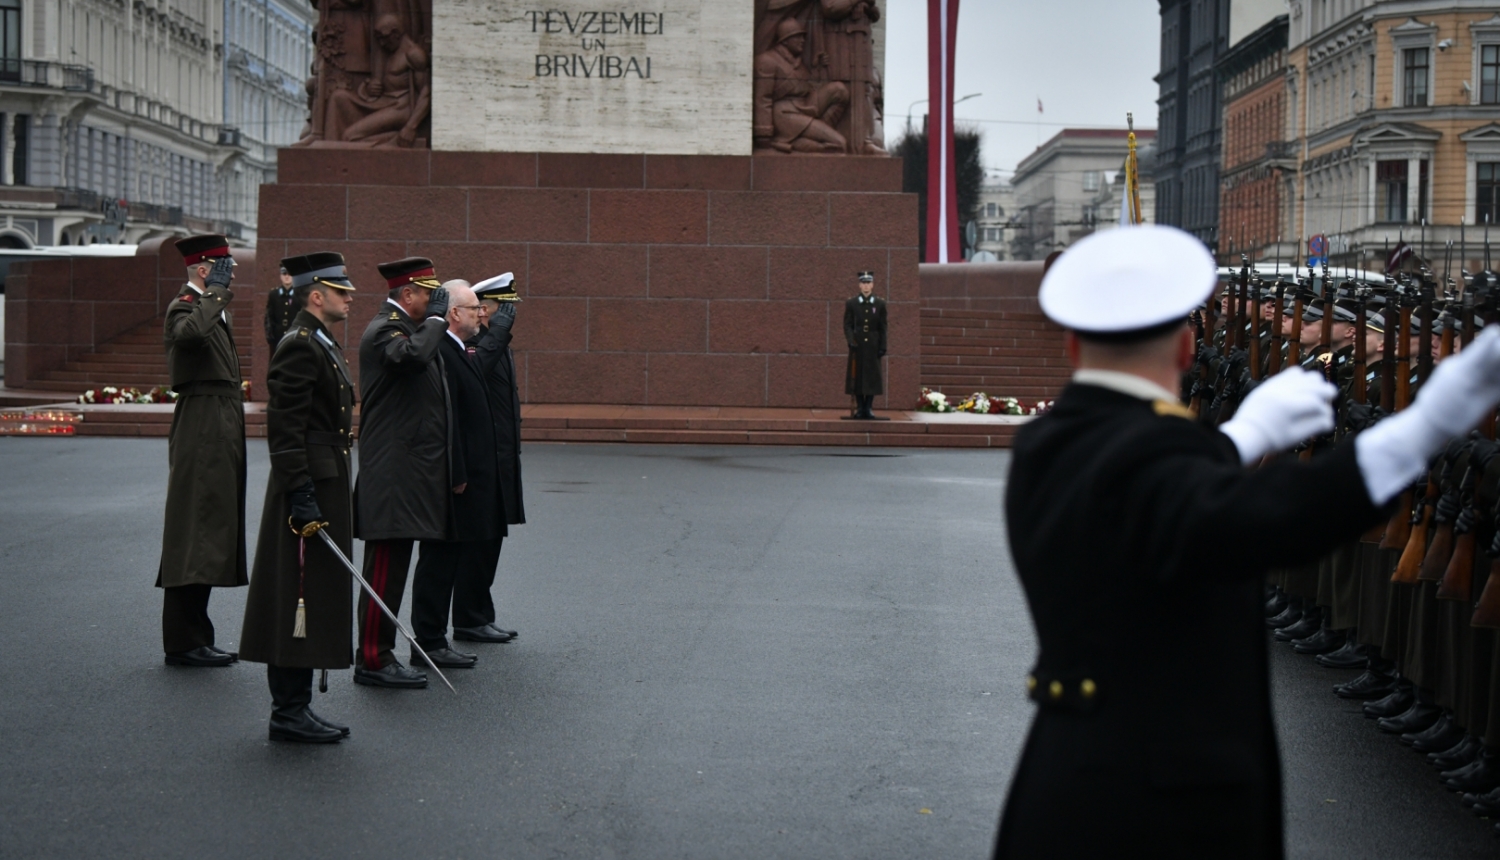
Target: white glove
x,y
1286,409
1458,394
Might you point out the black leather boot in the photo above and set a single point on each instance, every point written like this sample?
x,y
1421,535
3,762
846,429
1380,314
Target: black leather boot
x,y
291,692
1486,804
1418,718
1322,642
1480,775
1276,603
1395,702
1458,755
1350,655
338,727
1288,616
1307,625
1441,736
1372,684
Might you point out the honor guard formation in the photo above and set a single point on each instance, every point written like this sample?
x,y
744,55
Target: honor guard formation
x,y
1205,440
439,465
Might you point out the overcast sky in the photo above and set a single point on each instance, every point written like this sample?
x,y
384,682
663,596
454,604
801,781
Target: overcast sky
x,y
1089,61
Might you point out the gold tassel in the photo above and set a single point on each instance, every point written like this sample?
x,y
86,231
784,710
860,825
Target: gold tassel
x,y
299,630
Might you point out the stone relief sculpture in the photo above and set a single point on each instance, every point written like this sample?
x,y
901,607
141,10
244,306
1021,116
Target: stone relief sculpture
x,y
816,86
371,79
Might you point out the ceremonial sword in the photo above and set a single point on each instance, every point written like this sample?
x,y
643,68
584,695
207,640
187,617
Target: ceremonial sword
x,y
370,592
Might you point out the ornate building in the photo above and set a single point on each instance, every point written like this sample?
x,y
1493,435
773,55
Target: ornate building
x,y
1257,179
1194,34
1058,186
1394,105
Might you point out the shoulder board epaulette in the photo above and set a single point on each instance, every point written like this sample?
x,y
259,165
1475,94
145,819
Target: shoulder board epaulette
x,y
1168,409
291,333
395,316
186,297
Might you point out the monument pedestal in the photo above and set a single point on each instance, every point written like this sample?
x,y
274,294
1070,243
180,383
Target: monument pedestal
x,y
684,280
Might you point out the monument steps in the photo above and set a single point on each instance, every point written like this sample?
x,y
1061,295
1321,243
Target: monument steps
x,y
1002,353
134,359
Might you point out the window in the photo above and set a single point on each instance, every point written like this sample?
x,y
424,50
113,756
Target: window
x,y
990,209
10,40
1415,77
1489,75
1487,193
1390,179
1091,180
18,165
992,234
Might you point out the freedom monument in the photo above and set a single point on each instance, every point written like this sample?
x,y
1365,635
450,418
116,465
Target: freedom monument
x,y
684,189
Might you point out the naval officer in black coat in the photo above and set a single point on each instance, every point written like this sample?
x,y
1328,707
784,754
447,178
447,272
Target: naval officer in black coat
x,y
1121,507
299,613
864,329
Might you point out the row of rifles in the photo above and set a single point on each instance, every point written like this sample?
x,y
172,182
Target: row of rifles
x,y
1442,521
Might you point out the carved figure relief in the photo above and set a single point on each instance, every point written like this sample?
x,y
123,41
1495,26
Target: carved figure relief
x,y
371,81
816,86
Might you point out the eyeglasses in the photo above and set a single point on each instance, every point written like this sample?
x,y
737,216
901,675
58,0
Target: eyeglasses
x,y
465,307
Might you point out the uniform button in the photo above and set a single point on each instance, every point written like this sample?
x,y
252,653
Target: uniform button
x,y
1055,689
1030,683
1088,688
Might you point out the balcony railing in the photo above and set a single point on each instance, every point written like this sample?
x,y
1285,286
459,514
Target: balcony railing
x,y
39,73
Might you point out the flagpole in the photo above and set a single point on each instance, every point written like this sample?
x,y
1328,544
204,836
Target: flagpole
x,y
942,183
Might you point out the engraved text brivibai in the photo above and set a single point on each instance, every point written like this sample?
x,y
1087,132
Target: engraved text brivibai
x,y
591,27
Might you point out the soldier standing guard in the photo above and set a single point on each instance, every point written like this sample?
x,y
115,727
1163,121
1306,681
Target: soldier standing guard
x,y
403,493
1164,750
297,615
864,329
203,541
281,308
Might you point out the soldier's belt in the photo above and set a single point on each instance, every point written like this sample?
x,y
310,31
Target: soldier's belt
x,y
1075,694
327,437
214,387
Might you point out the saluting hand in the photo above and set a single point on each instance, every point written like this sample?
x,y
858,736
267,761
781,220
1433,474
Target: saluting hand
x,y
504,316
221,274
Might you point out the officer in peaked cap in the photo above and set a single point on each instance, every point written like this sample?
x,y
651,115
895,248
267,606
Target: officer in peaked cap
x,y
297,615
864,329
203,541
474,618
403,493
1112,495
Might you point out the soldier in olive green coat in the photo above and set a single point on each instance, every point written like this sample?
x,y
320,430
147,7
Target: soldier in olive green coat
x,y
203,540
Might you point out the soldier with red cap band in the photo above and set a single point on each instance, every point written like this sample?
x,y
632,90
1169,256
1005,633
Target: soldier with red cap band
x,y
203,541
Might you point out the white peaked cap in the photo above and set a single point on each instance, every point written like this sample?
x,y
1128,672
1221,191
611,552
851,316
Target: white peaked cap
x,y
492,283
1127,279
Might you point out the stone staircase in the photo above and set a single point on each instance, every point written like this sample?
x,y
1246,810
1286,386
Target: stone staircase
x,y
135,359
1002,353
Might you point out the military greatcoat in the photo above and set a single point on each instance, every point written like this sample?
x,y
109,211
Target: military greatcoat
x,y
492,349
404,490
864,330
308,420
1119,510
203,540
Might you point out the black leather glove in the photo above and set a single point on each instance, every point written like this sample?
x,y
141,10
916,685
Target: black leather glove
x,y
304,505
504,316
221,274
437,305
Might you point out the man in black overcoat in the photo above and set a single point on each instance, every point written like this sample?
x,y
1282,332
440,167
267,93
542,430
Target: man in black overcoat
x,y
473,604
1141,747
282,306
203,537
298,612
864,330
478,513
403,493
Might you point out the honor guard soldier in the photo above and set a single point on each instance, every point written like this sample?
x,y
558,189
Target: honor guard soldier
x,y
298,613
281,308
864,329
473,605
403,493
203,542
1140,746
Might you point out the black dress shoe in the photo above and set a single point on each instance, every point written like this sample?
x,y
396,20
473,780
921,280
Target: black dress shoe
x,y
1442,736
300,727
1487,803
1289,616
1370,685
1276,604
509,634
1395,702
447,658
1350,655
338,727
1320,643
487,633
1481,775
1418,718
1458,755
234,656
392,675
1310,623
200,656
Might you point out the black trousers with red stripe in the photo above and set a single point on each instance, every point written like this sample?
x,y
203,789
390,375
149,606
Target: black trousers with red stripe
x,y
385,566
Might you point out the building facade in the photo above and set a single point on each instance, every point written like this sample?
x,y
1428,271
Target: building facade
x,y
1194,34
996,219
112,116
1056,188
1257,181
1396,105
1111,198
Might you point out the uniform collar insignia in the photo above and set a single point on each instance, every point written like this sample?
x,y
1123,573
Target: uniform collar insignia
x,y
1168,409
323,336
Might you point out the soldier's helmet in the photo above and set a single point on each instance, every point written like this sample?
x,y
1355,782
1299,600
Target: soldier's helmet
x,y
788,28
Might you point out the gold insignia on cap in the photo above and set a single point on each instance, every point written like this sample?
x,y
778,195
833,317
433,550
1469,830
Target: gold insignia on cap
x,y
1168,409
